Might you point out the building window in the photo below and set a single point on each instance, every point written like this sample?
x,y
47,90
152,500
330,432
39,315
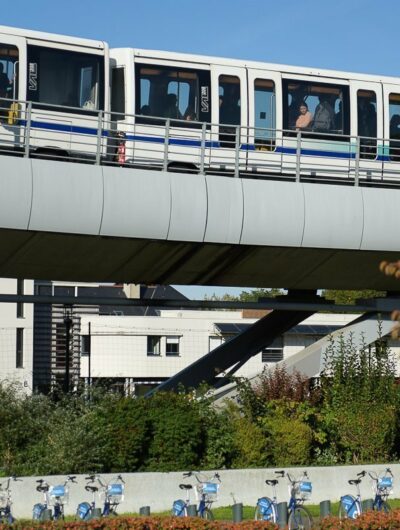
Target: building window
x,y
274,352
153,345
20,305
85,344
214,342
172,346
20,348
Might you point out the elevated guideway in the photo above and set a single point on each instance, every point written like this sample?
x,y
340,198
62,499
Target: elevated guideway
x,y
84,222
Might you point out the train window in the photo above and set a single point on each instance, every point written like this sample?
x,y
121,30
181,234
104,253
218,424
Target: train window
x,y
229,100
264,113
367,122
316,108
64,78
394,132
168,92
8,72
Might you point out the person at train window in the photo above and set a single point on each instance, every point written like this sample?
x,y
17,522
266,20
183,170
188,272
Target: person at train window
x,y
190,114
366,118
229,107
324,117
171,107
395,138
5,84
305,117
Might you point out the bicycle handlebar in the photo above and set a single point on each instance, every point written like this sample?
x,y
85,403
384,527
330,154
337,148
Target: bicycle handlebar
x,y
280,473
361,474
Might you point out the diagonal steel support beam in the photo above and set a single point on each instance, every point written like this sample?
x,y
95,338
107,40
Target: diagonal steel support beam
x,y
247,344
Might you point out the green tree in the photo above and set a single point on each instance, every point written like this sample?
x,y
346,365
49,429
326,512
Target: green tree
x,y
350,297
360,400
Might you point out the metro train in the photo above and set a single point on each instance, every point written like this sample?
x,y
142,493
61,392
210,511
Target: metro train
x,y
210,112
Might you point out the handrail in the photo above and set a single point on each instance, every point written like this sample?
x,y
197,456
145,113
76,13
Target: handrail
x,y
159,142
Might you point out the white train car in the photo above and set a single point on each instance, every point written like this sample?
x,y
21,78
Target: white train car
x,y
61,83
265,118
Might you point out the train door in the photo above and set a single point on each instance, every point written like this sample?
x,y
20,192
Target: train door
x,y
173,102
391,159
265,121
66,86
12,87
367,125
229,118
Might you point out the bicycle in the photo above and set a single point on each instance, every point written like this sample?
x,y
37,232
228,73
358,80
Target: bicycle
x,y
350,507
299,490
206,492
266,509
6,501
113,493
54,496
382,486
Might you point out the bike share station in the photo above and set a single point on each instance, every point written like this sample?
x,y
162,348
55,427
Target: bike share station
x,y
147,493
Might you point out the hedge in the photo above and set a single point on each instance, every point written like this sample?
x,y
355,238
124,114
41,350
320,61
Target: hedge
x,y
366,521
142,523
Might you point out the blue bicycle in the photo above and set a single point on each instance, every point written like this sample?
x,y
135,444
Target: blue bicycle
x,y
350,507
266,509
206,491
6,501
111,492
53,496
383,487
300,490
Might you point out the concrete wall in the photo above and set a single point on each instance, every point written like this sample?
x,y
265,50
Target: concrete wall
x,y
159,490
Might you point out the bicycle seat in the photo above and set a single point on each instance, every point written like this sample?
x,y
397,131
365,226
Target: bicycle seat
x,y
271,482
42,489
185,486
355,482
91,488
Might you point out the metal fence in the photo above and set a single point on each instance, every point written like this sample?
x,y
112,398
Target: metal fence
x,y
79,135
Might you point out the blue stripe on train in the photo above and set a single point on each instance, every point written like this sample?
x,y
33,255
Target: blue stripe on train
x,y
191,143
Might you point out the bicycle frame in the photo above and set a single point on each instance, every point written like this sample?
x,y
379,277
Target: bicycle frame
x,y
382,489
203,489
352,506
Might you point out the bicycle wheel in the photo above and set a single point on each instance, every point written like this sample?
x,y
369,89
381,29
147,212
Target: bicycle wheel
x,y
207,514
383,507
265,510
300,519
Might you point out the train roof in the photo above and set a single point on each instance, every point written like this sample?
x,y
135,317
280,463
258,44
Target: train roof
x,y
53,37
282,68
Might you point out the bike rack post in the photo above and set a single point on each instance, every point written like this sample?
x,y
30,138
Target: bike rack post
x,y
192,510
47,515
367,505
96,513
325,509
282,513
237,512
144,510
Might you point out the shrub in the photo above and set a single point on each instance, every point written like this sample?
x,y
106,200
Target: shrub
x,y
143,523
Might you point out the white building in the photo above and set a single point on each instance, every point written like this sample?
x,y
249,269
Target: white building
x,y
16,335
145,350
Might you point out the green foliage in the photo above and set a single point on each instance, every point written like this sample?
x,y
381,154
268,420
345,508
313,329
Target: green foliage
x,y
360,400
177,434
246,296
350,297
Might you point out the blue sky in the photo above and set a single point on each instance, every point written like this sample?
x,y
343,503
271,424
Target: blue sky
x,y
352,35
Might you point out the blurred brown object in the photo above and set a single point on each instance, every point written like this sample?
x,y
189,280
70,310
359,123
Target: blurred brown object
x,y
393,269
